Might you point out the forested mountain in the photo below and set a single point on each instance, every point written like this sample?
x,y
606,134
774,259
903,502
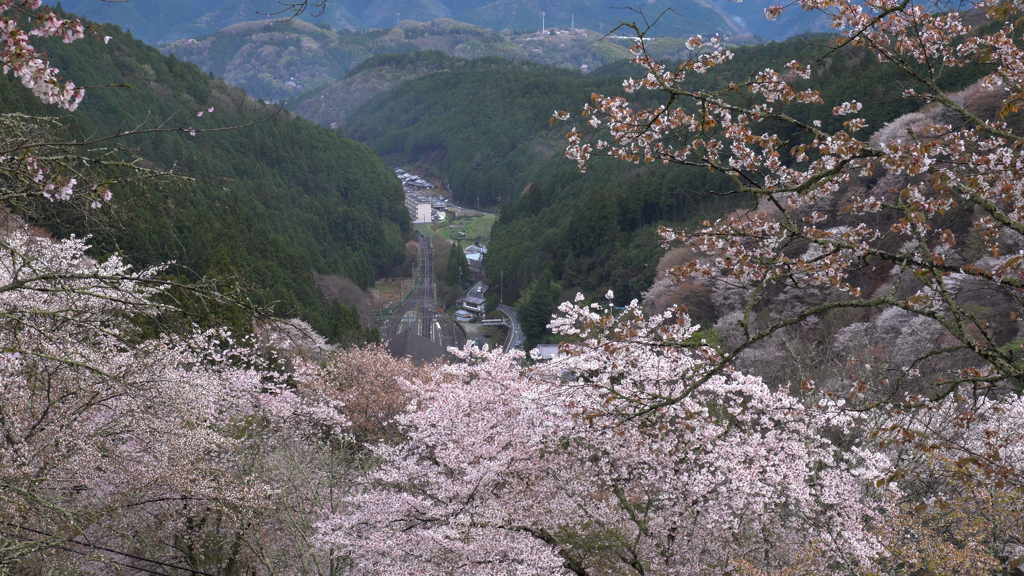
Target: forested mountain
x,y
278,59
283,59
484,129
160,21
487,133
276,201
331,105
166,20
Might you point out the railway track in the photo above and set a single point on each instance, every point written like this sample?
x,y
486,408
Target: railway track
x,y
420,311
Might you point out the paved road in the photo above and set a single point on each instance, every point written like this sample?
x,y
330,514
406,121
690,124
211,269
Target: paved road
x,y
477,291
515,337
420,312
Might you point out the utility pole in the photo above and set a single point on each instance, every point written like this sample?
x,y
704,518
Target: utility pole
x,y
398,19
543,15
501,289
574,23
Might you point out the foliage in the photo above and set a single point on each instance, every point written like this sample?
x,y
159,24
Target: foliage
x,y
20,57
642,448
905,229
457,272
572,467
294,60
99,429
279,58
906,221
535,306
346,327
281,199
325,75
483,134
189,451
572,51
480,128
332,105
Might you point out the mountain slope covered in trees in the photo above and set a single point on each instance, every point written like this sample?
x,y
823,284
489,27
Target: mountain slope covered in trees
x,y
161,21
276,201
484,129
277,59
280,58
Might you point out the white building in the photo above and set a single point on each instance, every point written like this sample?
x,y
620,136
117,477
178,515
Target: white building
x,y
546,352
473,304
475,255
419,208
475,248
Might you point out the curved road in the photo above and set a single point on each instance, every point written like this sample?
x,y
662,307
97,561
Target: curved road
x,y
515,337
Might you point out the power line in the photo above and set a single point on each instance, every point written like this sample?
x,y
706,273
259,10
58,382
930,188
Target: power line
x,y
80,553
112,551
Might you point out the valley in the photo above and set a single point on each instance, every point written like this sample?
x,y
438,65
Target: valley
x,y
465,107
415,287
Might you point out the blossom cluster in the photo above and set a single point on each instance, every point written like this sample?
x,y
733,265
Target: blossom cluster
x,y
18,56
625,455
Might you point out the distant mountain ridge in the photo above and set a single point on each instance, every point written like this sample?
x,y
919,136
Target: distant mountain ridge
x,y
283,59
167,20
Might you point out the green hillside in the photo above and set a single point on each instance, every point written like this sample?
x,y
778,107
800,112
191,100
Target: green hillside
x,y
279,59
331,105
486,135
483,128
278,201
283,59
167,20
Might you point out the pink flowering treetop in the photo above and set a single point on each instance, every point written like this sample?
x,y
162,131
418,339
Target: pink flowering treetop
x,y
577,466
108,438
844,219
915,227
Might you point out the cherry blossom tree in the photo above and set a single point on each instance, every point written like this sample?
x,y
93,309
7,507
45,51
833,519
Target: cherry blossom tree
x,y
28,171
917,227
961,471
189,450
579,466
39,159
19,57
843,220
641,449
94,422
314,456
121,449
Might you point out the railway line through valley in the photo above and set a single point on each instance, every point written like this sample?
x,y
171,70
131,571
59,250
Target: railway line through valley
x,y
420,312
